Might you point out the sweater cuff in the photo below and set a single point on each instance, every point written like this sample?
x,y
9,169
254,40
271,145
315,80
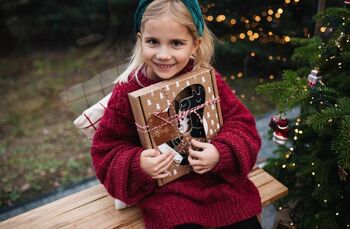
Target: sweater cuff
x,y
226,157
140,175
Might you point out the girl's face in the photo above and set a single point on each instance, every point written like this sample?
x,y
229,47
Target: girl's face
x,y
166,47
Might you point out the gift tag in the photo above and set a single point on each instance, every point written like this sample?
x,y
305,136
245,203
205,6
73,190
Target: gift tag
x,y
163,148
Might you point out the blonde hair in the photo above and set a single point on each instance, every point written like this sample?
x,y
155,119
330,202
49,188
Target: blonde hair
x,y
181,14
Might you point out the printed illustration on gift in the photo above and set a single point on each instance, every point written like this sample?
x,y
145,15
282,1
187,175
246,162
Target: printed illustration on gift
x,y
171,113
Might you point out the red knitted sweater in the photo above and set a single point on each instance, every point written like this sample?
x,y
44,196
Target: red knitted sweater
x,y
220,197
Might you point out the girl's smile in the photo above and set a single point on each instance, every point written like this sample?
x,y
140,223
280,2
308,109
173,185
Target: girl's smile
x,y
166,47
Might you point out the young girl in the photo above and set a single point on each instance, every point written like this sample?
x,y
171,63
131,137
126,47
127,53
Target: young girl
x,y
172,39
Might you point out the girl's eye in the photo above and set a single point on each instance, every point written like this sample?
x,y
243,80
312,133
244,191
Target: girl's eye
x,y
177,44
151,41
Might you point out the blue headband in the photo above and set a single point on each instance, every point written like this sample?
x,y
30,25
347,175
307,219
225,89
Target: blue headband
x,y
192,6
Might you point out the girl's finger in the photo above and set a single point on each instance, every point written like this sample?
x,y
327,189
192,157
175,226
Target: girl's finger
x,y
194,161
165,162
199,144
162,157
162,175
200,171
198,167
195,154
165,167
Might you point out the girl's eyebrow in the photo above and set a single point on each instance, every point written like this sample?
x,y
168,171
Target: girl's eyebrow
x,y
151,38
181,40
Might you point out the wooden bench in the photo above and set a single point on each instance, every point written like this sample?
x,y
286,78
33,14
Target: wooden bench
x,y
94,208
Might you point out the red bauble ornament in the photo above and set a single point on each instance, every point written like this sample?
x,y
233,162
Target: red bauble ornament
x,y
280,128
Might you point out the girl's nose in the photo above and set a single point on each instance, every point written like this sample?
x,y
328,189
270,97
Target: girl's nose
x,y
163,54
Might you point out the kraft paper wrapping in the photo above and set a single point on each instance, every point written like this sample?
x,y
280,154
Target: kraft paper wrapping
x,y
174,111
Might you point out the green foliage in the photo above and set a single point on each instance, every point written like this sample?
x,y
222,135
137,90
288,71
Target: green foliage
x,y
287,93
316,164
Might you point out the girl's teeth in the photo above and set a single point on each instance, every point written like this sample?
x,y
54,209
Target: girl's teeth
x,y
164,65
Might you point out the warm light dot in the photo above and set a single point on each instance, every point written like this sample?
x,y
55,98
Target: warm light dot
x,y
277,15
270,33
284,59
325,201
256,35
293,164
287,156
291,149
287,1
278,58
242,36
232,77
280,11
249,33
296,130
291,224
269,18
287,39
296,0
284,166
242,96
323,29
233,39
313,173
297,124
246,21
257,18
270,57
298,120
240,74
270,11
295,138
337,213
280,208
233,21
220,18
300,132
271,77
312,163
252,54
210,18
261,80
318,185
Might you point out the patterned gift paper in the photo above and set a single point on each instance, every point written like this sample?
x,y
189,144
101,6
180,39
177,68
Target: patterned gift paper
x,y
174,111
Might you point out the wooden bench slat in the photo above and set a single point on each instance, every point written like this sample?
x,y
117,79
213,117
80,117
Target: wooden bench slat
x,y
94,208
271,192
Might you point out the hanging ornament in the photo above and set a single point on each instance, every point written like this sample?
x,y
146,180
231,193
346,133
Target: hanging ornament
x,y
279,126
342,173
313,78
347,3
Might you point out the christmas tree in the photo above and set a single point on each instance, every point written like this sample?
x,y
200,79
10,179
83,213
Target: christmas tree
x,y
313,157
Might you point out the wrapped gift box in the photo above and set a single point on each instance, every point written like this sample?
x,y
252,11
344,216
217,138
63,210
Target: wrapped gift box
x,y
170,113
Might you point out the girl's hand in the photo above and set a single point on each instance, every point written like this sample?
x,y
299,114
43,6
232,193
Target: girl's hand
x,y
205,160
155,164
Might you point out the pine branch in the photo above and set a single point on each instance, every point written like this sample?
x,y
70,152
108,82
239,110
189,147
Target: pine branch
x,y
286,93
341,143
329,116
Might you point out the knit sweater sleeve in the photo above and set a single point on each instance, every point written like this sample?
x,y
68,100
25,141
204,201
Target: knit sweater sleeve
x,y
238,141
116,153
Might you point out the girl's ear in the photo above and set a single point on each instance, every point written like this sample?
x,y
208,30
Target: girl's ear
x,y
138,35
196,45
